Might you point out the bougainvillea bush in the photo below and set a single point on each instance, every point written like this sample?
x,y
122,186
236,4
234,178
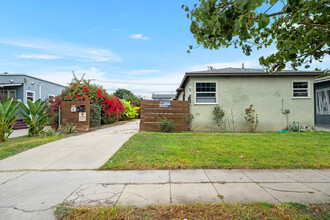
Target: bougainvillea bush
x,y
84,90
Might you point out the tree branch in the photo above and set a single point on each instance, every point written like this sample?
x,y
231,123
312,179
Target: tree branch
x,y
277,13
313,25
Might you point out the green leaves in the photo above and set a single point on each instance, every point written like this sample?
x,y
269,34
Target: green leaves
x,y
299,29
8,111
263,21
35,116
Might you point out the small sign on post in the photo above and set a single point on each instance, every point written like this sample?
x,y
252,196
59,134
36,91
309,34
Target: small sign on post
x,y
82,116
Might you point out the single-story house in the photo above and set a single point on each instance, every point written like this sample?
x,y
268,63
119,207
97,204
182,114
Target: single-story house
x,y
22,87
279,99
322,101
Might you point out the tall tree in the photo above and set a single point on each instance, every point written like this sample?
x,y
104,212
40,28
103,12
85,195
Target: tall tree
x,y
120,93
299,29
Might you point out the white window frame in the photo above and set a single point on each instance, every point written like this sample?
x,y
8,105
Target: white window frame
x,y
8,91
34,95
216,93
308,90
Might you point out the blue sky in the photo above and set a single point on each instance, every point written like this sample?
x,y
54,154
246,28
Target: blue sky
x,y
118,41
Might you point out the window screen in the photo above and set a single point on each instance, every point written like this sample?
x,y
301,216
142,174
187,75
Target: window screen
x,y
206,93
300,89
322,97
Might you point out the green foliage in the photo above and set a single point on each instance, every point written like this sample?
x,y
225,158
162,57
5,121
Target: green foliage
x,y
130,112
166,125
50,133
120,93
251,118
219,114
34,115
135,101
70,128
8,111
300,29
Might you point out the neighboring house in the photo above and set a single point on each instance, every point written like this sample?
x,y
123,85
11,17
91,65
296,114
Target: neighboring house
x,y
163,97
322,101
279,98
22,87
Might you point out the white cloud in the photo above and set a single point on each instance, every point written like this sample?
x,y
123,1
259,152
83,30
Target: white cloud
x,y
140,72
139,36
143,86
247,64
65,49
38,56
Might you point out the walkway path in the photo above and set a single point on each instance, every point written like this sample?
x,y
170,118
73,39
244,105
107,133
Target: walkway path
x,y
34,194
87,151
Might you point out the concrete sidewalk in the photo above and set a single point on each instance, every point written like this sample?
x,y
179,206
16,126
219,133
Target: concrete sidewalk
x,y
87,151
35,194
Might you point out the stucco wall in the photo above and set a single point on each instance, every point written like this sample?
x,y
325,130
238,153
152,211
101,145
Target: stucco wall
x,y
235,94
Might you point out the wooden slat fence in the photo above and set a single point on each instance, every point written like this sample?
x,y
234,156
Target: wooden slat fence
x,y
151,113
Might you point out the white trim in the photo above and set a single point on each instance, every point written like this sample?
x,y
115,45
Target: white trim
x,y
216,92
308,89
40,90
34,95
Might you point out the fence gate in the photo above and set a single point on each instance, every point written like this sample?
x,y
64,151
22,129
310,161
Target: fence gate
x,y
152,111
95,116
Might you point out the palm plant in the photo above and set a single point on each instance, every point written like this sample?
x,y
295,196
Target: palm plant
x,y
35,116
8,111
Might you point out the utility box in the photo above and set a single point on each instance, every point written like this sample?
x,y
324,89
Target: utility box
x,y
77,113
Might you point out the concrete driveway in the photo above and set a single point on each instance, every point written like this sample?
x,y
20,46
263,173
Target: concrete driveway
x,y
87,151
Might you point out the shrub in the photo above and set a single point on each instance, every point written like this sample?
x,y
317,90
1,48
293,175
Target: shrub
x,y
50,133
84,90
130,112
219,114
8,111
70,128
166,125
251,118
35,116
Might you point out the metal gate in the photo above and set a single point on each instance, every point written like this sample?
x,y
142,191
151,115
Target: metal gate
x,y
95,116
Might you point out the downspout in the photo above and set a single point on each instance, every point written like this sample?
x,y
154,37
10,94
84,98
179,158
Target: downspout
x,y
40,90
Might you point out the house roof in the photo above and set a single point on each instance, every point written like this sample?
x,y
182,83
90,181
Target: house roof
x,y
323,79
163,96
229,72
22,74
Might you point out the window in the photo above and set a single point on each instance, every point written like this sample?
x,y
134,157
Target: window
x,y
206,92
51,97
322,100
30,95
5,94
300,89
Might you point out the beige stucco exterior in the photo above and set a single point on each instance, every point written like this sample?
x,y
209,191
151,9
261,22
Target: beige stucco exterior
x,y
235,94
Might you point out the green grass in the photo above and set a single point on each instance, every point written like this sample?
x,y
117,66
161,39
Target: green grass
x,y
148,150
200,211
17,145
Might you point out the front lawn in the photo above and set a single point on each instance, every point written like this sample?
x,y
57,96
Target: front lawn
x,y
200,211
148,150
17,145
